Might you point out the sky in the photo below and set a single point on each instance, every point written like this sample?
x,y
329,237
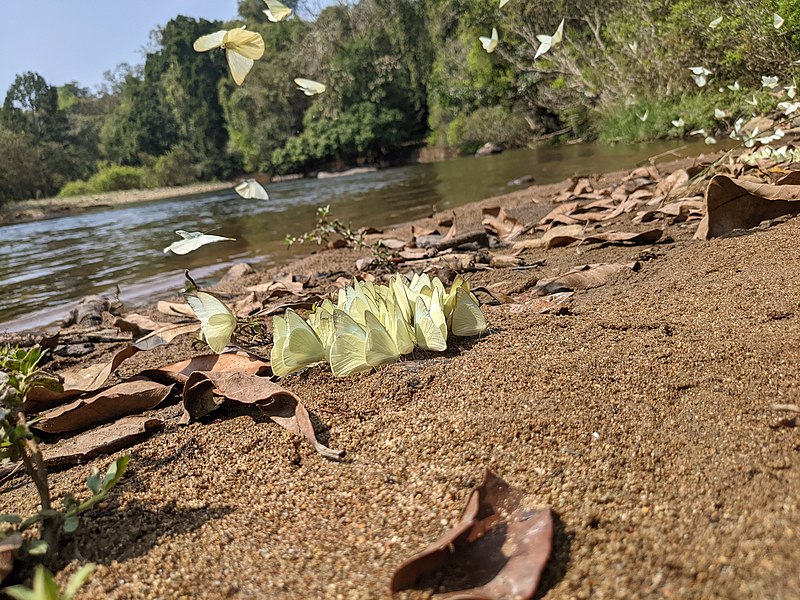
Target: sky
x,y
78,40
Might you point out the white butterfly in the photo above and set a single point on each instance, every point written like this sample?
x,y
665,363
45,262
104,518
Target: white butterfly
x,y
549,41
503,3
700,75
770,82
710,140
310,87
294,344
348,353
250,188
192,241
719,113
791,90
735,87
643,117
679,122
777,21
634,46
754,101
277,11
490,43
698,132
430,324
715,23
217,321
241,47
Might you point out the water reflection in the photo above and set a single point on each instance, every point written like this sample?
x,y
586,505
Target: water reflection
x,y
46,264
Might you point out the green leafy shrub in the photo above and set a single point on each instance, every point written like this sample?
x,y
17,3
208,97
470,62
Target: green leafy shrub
x,y
111,178
492,124
76,188
176,167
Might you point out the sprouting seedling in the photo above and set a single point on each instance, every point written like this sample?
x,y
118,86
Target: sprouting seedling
x,y
490,43
310,87
546,42
241,47
277,11
192,241
45,586
250,188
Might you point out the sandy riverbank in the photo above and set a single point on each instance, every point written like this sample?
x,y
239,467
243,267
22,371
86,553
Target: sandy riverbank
x,y
30,210
640,413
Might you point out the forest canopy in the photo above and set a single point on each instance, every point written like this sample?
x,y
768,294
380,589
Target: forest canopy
x,y
399,74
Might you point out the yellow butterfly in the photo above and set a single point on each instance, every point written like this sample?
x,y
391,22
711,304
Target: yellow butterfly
x,y
467,318
380,348
294,345
310,87
217,321
490,43
277,11
549,41
430,325
250,188
349,349
241,47
192,241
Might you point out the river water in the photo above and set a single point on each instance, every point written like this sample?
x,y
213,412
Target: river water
x,y
46,266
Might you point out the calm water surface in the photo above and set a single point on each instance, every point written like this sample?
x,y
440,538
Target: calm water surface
x,y
46,266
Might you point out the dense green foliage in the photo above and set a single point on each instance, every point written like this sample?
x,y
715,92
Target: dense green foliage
x,y
399,73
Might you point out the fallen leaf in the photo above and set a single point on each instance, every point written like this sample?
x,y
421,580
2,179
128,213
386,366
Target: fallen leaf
x,y
174,309
737,204
451,233
165,335
620,237
247,305
499,261
497,221
392,243
562,209
123,399
281,405
552,304
9,547
228,362
583,277
552,238
497,550
76,382
674,183
415,253
138,324
102,440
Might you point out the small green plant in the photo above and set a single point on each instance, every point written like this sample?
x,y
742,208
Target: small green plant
x,y
45,586
327,228
19,374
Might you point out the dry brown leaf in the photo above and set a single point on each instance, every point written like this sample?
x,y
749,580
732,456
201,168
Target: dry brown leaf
x,y
497,221
123,399
791,178
621,237
679,211
9,547
247,306
552,304
499,261
165,335
583,277
673,184
498,550
282,406
174,309
562,209
138,324
392,243
551,238
738,204
76,382
453,231
415,253
582,186
120,434
229,362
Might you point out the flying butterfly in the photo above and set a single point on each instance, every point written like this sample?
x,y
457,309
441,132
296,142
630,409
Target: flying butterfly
x,y
777,21
490,43
250,188
192,241
241,47
310,87
549,41
277,11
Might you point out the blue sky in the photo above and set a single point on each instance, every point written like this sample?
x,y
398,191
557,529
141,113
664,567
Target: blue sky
x,y
66,40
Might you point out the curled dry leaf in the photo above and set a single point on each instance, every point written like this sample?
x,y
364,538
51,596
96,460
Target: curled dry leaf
x,y
138,324
679,211
497,550
247,306
552,304
620,237
583,277
228,362
497,221
673,184
201,391
165,335
738,204
174,309
552,238
392,243
123,399
9,547
120,434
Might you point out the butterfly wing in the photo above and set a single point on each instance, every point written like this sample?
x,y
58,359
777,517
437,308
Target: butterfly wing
x,y
544,46
428,334
379,348
193,241
302,346
217,321
279,335
467,318
310,87
248,44
239,65
277,11
209,42
348,351
558,35
250,188
503,3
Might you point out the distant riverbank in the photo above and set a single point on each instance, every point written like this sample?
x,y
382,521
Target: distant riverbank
x,y
30,210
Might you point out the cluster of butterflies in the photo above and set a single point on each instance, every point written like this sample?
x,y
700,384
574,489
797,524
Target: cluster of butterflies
x,y
242,48
192,240
546,42
373,325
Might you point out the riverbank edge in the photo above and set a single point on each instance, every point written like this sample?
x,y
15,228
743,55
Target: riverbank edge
x,y
48,208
